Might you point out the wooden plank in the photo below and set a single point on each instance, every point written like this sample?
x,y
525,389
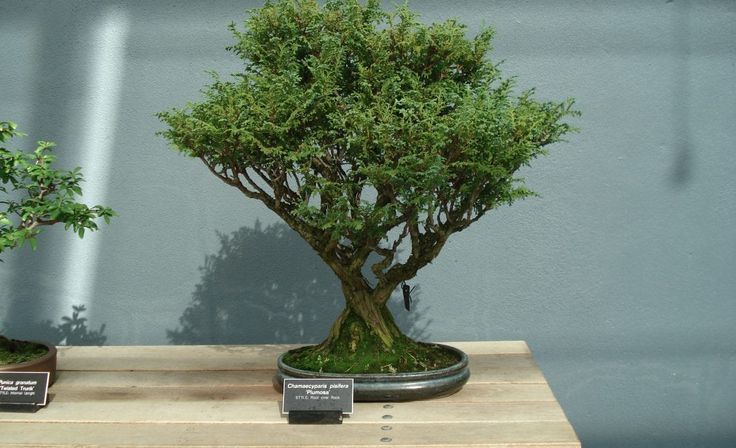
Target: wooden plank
x,y
171,358
171,395
504,368
219,357
492,347
476,392
444,413
496,435
471,393
483,368
162,379
246,411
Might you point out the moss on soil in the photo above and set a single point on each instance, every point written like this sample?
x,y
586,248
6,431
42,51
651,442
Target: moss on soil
x,y
358,350
13,351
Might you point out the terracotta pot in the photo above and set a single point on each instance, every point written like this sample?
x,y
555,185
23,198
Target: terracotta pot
x,y
392,386
45,363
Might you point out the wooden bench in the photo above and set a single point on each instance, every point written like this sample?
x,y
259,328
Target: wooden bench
x,y
165,396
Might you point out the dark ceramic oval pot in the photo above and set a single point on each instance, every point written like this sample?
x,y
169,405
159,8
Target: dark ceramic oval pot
x,y
46,363
392,386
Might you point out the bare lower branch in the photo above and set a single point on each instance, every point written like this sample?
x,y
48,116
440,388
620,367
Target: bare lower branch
x,y
388,254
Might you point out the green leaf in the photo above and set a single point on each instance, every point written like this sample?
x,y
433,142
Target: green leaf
x,y
46,194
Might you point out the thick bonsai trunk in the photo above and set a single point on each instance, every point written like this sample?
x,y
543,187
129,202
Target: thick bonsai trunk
x,y
365,339
365,321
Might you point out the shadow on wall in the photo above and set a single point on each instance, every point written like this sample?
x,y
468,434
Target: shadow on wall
x,y
72,330
266,285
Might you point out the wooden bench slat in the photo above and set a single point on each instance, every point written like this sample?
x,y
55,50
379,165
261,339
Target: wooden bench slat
x,y
162,379
504,368
171,358
471,393
483,368
496,435
246,411
219,357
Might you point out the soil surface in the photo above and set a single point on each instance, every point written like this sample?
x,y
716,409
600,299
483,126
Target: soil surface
x,y
405,355
13,351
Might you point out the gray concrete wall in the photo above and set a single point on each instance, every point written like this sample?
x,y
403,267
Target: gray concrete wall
x,y
621,277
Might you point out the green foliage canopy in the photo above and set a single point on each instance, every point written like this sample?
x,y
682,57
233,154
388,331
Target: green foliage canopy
x,y
33,194
364,130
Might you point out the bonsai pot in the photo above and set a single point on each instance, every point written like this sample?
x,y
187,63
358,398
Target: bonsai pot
x,y
45,363
405,386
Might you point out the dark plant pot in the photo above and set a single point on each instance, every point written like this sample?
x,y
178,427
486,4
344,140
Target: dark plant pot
x,y
45,363
392,386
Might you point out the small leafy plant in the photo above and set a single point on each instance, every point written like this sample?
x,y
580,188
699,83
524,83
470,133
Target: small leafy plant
x,y
33,195
375,137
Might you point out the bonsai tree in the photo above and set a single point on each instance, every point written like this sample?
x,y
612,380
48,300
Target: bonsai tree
x,y
373,136
34,195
